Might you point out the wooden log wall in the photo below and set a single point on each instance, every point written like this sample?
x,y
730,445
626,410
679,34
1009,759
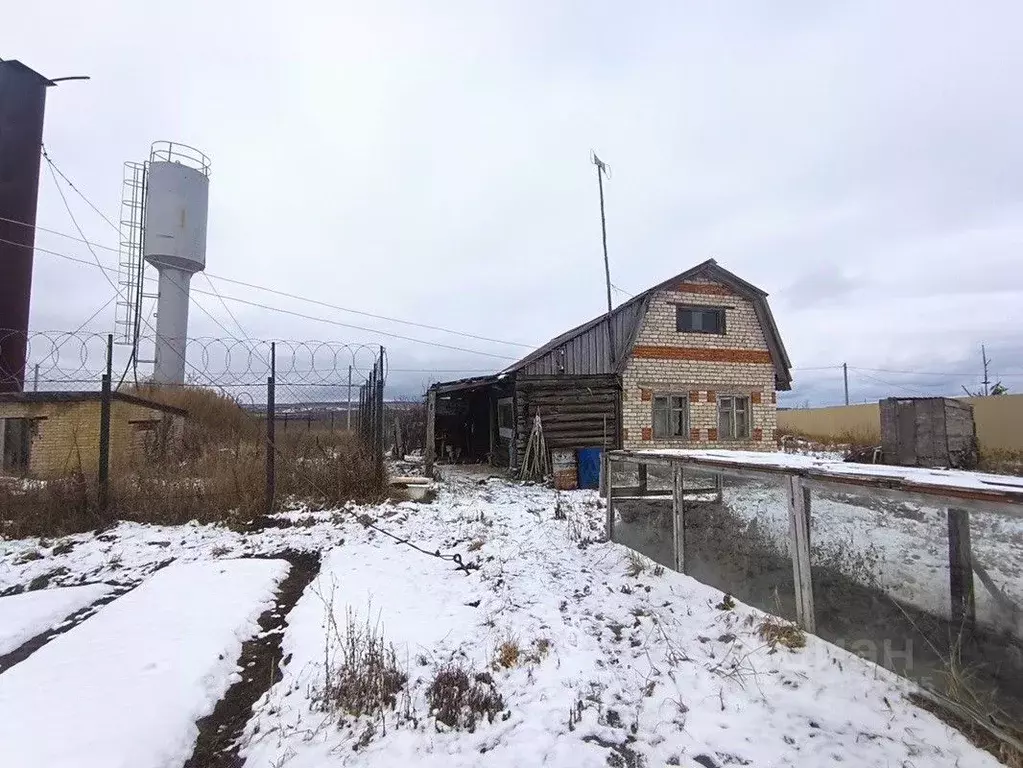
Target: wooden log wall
x,y
576,411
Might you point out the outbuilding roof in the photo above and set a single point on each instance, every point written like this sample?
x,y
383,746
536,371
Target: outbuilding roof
x,y
79,397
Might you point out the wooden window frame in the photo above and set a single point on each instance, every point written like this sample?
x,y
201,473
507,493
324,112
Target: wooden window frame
x,y
730,433
684,396
721,311
508,432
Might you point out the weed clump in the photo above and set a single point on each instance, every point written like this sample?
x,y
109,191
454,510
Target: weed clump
x,y
507,655
361,671
775,632
460,702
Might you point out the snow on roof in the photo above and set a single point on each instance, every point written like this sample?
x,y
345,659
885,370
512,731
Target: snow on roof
x,y
949,482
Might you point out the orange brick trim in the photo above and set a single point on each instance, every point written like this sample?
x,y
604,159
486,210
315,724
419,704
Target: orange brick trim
x,y
714,289
704,355
647,433
758,434
712,396
645,394
712,434
755,397
694,434
694,396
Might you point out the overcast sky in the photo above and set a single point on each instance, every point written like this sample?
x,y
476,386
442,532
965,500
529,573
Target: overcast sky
x,y
861,162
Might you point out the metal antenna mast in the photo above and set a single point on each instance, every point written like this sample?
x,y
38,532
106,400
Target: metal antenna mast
x,y
604,170
987,381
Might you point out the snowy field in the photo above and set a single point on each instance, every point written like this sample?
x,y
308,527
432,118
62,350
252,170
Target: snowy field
x,y
617,662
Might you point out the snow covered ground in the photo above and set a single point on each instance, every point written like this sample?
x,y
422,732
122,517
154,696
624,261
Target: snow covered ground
x,y
24,616
613,668
619,662
125,687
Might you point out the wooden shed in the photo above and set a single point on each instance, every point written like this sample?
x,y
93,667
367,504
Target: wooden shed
x,y
928,432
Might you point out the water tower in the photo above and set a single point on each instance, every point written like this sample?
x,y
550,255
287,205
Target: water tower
x,y
174,241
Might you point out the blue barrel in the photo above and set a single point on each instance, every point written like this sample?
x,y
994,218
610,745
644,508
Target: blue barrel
x,y
588,463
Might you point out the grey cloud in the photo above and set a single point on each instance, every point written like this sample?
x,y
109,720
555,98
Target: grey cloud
x,y
859,161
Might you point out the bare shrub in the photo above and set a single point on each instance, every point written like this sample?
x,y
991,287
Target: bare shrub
x,y
361,672
460,702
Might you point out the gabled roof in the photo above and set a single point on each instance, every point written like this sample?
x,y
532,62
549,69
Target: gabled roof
x,y
586,346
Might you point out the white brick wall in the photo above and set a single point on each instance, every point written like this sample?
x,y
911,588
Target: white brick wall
x,y
695,378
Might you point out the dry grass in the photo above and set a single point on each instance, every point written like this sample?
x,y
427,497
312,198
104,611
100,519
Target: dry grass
x,y
777,632
214,419
507,654
636,563
845,437
460,702
219,475
1001,461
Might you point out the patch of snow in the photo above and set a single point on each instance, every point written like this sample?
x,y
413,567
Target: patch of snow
x,y
24,616
125,687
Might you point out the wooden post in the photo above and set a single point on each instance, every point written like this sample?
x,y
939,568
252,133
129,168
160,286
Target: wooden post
x,y
960,568
642,479
799,541
719,486
609,514
678,518
431,425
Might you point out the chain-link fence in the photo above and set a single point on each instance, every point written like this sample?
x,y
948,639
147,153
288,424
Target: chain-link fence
x,y
91,439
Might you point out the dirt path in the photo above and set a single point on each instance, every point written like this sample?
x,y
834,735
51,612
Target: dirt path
x,y
29,647
219,732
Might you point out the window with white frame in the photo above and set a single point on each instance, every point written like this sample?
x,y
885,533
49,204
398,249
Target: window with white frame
x,y
506,418
733,417
671,417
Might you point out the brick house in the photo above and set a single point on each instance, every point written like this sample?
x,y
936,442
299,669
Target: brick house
x,y
49,434
695,361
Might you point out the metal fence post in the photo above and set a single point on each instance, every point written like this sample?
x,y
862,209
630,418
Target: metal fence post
x,y
271,418
378,442
103,494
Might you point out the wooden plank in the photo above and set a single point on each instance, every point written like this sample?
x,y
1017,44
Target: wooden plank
x,y
609,515
960,568
678,526
642,479
799,542
1007,502
431,426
